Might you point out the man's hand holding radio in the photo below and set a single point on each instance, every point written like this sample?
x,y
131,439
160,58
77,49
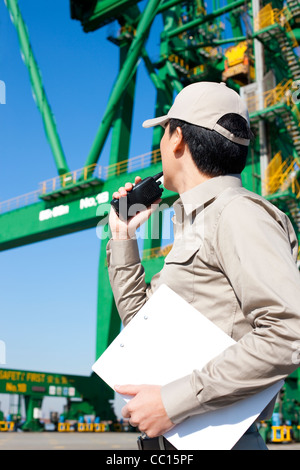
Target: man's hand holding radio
x,y
125,229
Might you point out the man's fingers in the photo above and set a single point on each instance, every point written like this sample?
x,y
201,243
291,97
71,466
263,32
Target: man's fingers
x,y
125,412
123,190
127,389
128,186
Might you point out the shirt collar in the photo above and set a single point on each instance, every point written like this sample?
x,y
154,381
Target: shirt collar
x,y
204,192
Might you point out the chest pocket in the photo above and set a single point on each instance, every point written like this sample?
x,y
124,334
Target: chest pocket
x,y
178,272
181,255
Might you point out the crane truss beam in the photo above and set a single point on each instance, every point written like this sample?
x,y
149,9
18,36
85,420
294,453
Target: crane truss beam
x,y
37,87
68,214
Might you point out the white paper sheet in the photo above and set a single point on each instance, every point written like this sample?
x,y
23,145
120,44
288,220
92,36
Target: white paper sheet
x,y
166,340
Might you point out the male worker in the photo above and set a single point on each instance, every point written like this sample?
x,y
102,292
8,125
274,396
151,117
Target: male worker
x,y
233,259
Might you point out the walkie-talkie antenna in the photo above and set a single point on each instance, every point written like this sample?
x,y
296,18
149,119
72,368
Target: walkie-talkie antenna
x,y
156,177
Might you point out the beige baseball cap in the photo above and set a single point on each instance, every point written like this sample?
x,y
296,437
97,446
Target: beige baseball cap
x,y
203,104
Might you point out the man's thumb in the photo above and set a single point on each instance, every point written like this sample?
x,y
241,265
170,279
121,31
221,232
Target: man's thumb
x,y
127,389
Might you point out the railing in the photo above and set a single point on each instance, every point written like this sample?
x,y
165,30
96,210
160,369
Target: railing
x,y
273,169
282,175
295,110
296,188
63,181
100,172
280,94
59,183
133,164
19,201
277,94
291,35
196,70
268,16
175,59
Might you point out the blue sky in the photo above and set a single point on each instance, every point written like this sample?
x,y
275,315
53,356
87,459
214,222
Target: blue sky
x,y
48,290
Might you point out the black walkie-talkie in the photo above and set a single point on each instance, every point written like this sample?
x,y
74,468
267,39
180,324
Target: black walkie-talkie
x,y
142,195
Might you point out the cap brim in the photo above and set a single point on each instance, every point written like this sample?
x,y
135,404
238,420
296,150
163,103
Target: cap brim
x,y
159,121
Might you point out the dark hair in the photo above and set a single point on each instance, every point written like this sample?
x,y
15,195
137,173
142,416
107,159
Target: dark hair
x,y
213,154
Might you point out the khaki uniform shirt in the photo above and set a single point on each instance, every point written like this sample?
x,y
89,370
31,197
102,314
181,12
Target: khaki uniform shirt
x,y
233,259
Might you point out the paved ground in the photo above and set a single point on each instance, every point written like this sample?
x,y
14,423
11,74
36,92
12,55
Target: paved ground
x,y
291,446
83,441
68,441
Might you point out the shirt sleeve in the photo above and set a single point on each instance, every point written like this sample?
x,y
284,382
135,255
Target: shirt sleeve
x,y
127,277
255,252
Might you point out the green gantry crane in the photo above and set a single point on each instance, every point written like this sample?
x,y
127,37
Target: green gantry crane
x,y
251,45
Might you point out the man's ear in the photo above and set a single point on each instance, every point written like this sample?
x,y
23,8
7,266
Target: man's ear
x,y
177,140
